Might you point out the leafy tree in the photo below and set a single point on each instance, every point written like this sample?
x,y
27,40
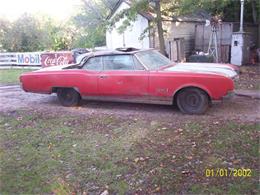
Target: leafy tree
x,y
229,10
91,22
58,36
5,26
30,33
23,35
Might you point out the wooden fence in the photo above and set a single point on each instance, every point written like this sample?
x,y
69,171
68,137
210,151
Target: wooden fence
x,y
8,59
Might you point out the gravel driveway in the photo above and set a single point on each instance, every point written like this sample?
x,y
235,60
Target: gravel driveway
x,y
241,108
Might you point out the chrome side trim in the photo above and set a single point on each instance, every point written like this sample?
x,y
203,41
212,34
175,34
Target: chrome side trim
x,y
144,100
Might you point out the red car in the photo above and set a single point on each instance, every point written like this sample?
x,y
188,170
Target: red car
x,y
141,76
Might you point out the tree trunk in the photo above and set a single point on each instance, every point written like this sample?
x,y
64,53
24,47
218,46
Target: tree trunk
x,y
159,26
253,3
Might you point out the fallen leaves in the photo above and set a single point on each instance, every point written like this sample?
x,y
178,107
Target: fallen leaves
x,y
50,146
179,130
104,192
140,159
62,187
157,189
237,161
185,172
215,122
154,123
189,157
19,118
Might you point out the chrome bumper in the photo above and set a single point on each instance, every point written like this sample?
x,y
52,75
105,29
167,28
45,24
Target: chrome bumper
x,y
229,95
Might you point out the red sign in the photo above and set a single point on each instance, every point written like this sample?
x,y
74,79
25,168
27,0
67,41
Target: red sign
x,y
56,58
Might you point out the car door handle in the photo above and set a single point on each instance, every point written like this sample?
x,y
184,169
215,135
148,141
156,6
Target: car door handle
x,y
103,76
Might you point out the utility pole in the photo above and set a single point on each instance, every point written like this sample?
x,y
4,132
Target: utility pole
x,y
241,15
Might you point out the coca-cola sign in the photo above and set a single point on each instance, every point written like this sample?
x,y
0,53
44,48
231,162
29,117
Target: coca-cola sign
x,y
56,58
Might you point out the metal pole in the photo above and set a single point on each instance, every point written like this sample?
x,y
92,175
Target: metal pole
x,y
123,39
216,44
210,42
241,15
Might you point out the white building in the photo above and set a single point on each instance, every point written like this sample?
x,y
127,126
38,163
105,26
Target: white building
x,y
130,37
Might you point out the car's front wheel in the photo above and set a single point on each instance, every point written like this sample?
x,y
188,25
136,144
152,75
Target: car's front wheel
x,y
192,101
68,96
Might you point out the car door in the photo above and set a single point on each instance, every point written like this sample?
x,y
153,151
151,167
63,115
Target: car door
x,y
123,77
91,70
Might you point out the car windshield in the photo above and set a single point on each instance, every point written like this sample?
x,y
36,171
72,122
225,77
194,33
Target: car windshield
x,y
152,59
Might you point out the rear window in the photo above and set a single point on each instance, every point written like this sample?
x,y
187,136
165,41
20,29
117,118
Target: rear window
x,y
118,62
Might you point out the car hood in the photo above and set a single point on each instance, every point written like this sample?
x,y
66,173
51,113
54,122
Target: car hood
x,y
206,68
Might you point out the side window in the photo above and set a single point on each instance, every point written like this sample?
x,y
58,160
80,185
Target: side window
x,y
138,65
93,63
118,62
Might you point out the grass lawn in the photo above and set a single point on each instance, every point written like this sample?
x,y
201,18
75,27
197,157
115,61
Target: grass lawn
x,y
43,152
11,76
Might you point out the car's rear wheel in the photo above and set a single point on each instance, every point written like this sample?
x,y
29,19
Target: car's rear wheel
x,y
192,101
68,96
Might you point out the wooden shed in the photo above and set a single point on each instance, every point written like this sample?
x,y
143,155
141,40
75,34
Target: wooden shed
x,y
180,34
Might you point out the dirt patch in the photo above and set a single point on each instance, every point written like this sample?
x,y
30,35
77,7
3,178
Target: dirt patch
x,y
249,77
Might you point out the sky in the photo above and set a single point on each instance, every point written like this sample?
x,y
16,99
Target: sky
x,y
59,9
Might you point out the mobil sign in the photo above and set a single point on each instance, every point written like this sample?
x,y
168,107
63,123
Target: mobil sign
x,y
29,58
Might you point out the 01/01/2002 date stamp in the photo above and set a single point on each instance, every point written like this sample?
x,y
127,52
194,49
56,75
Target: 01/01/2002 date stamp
x,y
224,172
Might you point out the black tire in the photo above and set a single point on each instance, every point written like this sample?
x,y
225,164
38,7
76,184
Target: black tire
x,y
68,97
192,101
